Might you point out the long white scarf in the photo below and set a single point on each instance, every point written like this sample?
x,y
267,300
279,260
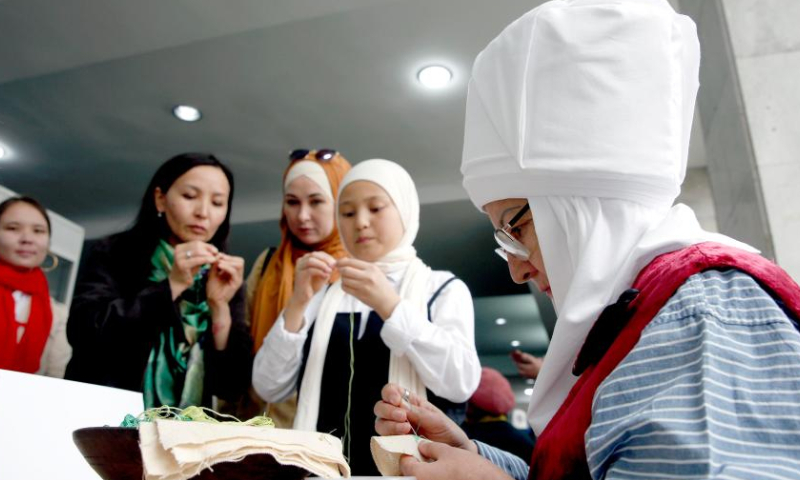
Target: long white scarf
x,y
413,289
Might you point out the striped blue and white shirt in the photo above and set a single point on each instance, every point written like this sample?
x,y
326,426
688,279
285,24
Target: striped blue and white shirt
x,y
710,391
507,461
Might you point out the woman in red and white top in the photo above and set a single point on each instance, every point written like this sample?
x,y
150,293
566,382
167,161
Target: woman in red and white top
x,y
31,341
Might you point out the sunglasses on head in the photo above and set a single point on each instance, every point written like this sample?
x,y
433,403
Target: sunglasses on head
x,y
322,155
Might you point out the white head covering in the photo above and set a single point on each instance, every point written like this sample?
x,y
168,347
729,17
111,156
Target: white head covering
x,y
584,107
400,187
314,172
413,287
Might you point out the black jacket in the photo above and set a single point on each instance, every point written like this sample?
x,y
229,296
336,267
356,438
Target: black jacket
x,y
117,315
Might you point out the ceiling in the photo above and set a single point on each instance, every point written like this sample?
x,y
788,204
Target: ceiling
x,y
86,89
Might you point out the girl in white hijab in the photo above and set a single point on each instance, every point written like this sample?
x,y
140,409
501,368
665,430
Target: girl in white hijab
x,y
388,318
576,142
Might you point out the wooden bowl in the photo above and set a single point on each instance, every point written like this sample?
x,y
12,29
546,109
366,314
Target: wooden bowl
x,y
113,452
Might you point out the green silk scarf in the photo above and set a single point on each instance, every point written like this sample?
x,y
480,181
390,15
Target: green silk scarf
x,y
175,369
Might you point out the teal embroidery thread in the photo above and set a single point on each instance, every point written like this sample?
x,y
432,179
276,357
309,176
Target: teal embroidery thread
x,y
347,438
191,414
407,398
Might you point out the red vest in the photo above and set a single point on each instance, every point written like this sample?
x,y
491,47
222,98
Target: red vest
x,y
560,452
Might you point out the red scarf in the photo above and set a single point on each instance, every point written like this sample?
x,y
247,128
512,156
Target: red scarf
x,y
24,356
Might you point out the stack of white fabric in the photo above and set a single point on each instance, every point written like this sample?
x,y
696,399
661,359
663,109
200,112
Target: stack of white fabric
x,y
173,450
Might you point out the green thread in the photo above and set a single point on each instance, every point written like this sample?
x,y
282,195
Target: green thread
x,y
347,437
407,399
190,414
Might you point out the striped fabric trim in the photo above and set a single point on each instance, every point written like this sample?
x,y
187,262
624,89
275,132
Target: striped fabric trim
x,y
508,462
711,390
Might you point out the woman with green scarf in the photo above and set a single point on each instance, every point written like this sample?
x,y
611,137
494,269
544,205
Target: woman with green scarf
x,y
159,308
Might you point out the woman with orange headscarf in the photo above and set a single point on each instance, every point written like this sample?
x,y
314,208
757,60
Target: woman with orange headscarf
x,y
310,186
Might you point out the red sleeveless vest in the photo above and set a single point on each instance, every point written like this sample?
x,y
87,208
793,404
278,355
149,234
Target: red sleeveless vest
x,y
560,451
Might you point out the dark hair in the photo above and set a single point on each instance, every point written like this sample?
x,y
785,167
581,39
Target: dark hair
x,y
30,201
148,227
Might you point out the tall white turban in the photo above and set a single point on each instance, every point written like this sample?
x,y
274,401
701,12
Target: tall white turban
x,y
584,107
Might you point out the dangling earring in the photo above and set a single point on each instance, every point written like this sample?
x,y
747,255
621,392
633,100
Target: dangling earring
x,y
53,266
160,214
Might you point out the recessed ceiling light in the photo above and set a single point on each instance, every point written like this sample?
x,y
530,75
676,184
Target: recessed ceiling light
x,y
528,391
500,321
434,76
515,343
5,152
187,113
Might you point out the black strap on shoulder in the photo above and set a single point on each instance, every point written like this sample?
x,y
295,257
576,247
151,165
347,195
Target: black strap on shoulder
x,y
604,332
270,252
436,294
456,411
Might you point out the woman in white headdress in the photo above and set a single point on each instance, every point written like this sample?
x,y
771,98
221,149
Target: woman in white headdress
x,y
674,354
389,317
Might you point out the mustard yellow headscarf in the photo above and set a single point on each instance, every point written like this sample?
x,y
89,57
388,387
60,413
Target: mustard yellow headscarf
x,y
277,284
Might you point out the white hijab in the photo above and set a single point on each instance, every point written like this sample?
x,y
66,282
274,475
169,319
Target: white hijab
x,y
584,108
314,172
413,287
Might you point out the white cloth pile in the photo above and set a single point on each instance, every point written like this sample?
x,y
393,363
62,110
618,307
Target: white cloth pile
x,y
173,450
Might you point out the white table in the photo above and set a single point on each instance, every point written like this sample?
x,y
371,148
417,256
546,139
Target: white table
x,y
38,415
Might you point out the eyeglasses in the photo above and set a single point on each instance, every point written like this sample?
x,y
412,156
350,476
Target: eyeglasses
x,y
508,244
322,155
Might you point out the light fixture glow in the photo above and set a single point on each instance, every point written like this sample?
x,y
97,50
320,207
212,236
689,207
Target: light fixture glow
x,y
434,76
528,391
530,381
500,321
2,151
187,113
515,343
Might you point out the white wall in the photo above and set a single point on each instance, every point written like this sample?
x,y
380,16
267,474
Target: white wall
x,y
766,47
